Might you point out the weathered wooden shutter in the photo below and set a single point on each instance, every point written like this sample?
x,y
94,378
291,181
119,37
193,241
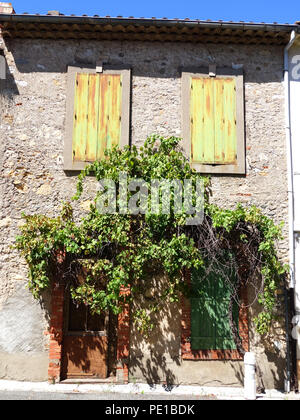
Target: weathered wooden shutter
x,y
202,314
97,115
223,334
213,120
210,327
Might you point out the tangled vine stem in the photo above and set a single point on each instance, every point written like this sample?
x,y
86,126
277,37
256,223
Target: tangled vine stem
x,y
100,254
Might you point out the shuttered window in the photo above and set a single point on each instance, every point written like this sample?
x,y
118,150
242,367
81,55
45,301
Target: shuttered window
x,y
210,326
213,122
97,115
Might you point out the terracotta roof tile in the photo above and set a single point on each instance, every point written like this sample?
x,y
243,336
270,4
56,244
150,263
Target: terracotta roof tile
x,y
59,26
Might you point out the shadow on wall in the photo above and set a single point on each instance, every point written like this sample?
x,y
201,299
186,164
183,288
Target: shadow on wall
x,y
157,359
8,99
270,349
8,91
147,59
153,358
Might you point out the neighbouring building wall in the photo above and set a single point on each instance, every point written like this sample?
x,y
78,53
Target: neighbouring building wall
x,y
294,91
33,100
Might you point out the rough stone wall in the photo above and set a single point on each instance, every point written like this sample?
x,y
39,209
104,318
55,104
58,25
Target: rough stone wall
x,y
32,178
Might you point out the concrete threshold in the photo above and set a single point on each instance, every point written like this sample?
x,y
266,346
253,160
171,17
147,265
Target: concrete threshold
x,y
90,381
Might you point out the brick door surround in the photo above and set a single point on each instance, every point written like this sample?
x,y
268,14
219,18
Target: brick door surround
x,y
55,333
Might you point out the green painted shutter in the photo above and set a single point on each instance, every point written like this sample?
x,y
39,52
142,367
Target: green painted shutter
x,y
210,327
97,115
202,315
213,120
223,333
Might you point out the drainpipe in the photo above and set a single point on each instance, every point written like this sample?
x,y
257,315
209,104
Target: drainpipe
x,y
290,201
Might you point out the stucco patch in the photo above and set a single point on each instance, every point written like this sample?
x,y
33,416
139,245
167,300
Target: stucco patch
x,y
21,323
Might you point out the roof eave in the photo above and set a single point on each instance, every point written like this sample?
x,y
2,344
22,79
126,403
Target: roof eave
x,y
92,20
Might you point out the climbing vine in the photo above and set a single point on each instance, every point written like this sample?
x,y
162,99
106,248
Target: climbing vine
x,y
101,254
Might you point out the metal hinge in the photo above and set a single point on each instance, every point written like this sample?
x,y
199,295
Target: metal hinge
x,y
2,67
212,70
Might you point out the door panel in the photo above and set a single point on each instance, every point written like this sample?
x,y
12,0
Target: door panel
x,y
84,356
85,343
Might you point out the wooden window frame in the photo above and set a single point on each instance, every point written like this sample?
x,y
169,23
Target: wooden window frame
x,y
239,168
68,331
214,354
125,71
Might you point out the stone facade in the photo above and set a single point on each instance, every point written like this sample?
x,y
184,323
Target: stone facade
x,y
33,100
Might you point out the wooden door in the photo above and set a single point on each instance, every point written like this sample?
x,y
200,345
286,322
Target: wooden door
x,y
85,343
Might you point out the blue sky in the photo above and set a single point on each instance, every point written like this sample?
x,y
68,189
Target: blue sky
x,y
246,10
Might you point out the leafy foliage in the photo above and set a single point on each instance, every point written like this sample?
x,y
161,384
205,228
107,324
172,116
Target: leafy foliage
x,y
102,254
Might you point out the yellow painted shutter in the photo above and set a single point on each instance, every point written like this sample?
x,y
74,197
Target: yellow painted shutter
x,y
213,120
97,115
